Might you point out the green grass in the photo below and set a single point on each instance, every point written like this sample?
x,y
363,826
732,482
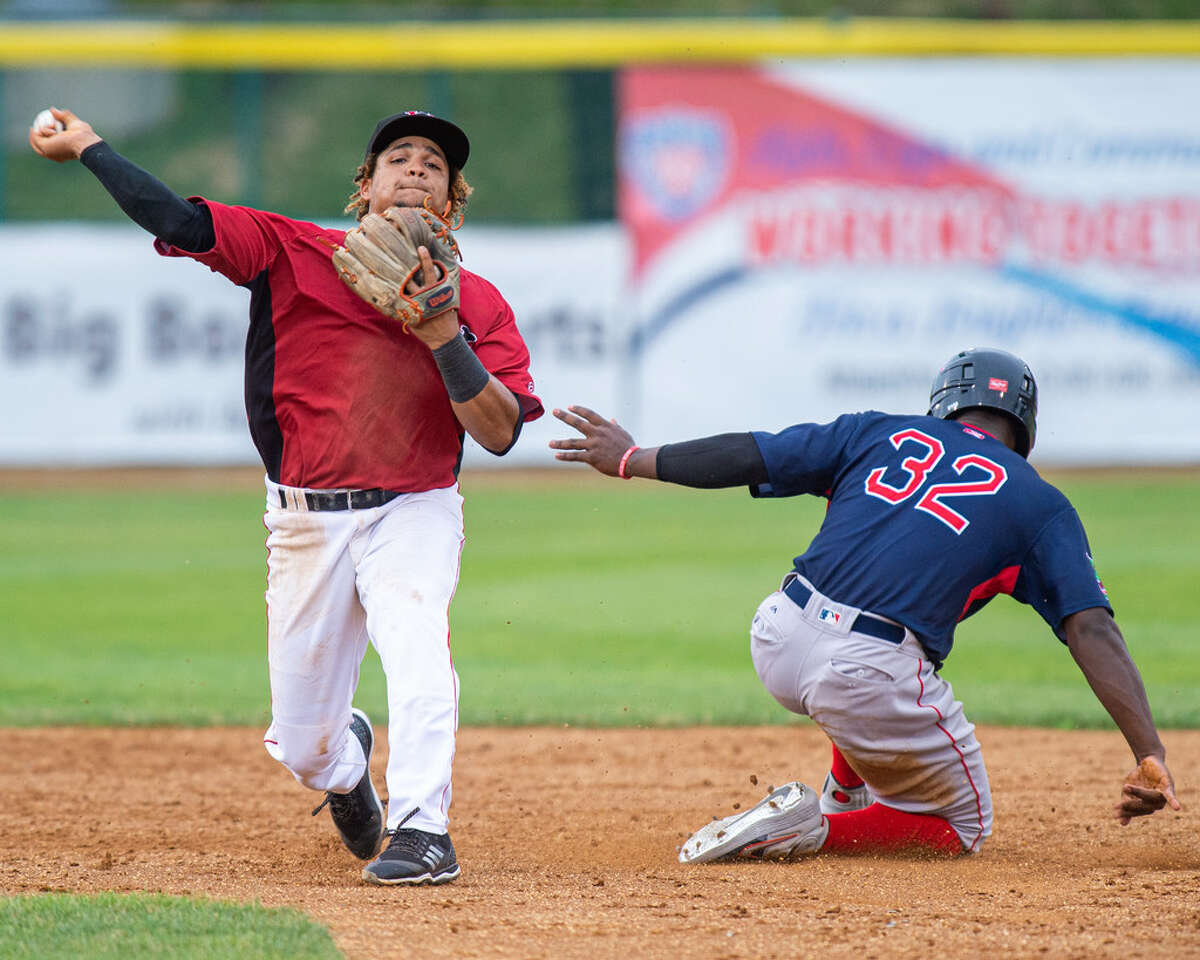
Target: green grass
x,y
602,604
1007,666
109,926
1010,670
291,141
132,608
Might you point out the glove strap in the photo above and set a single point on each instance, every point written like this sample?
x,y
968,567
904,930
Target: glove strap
x,y
410,310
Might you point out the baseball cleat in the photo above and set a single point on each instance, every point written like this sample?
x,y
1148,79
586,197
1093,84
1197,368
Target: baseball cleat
x,y
414,858
838,799
358,815
786,822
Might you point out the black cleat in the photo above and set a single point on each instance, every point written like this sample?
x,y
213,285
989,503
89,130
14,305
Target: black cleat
x,y
358,815
414,857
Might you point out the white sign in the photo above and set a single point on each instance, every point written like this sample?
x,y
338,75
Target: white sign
x,y
125,357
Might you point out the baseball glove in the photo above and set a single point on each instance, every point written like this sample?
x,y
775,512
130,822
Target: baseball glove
x,y
380,263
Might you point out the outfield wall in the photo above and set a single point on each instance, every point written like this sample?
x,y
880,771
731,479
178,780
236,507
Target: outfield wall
x,y
128,358
797,239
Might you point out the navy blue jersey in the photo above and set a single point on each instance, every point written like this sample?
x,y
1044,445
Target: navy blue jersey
x,y
929,519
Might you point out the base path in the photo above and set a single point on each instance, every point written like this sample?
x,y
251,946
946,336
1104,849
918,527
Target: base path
x,y
568,841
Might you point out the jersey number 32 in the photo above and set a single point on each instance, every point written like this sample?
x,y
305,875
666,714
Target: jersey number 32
x,y
917,467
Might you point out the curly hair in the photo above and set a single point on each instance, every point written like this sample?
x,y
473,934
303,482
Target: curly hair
x,y
460,190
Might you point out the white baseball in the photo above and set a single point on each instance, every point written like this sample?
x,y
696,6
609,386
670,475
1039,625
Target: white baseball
x,y
46,119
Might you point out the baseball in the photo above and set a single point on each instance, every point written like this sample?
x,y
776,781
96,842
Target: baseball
x,y
46,119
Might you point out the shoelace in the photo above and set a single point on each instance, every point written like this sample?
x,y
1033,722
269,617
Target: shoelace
x,y
411,844
339,803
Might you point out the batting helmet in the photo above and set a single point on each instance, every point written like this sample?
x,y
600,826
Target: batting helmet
x,y
994,380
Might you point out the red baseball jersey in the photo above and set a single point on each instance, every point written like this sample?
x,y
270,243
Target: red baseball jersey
x,y
337,395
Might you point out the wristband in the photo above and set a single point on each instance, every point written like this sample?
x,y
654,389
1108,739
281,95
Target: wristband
x,y
464,376
624,460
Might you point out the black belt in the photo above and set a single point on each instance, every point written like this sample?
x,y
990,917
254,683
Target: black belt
x,y
349,499
880,629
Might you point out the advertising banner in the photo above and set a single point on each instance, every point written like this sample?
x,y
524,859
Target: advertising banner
x,y
819,237
796,241
132,358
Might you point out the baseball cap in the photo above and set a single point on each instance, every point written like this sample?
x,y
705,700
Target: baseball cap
x,y
446,135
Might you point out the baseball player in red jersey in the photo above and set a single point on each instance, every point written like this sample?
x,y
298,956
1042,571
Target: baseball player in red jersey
x,y
360,424
929,517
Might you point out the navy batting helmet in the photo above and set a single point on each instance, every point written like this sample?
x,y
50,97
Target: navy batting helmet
x,y
994,380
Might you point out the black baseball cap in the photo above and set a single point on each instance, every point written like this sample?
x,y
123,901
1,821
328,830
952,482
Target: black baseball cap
x,y
451,139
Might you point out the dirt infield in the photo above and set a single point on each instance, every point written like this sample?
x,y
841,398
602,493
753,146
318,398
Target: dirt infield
x,y
568,842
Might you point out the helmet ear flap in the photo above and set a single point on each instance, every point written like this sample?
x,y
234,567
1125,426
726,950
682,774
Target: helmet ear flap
x,y
993,380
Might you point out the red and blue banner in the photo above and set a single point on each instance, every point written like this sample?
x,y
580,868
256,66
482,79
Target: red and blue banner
x,y
809,238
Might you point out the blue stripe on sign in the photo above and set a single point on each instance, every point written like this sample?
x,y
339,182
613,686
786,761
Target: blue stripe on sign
x,y
677,306
1180,330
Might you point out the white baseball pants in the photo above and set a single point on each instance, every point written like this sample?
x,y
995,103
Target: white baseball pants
x,y
336,580
892,717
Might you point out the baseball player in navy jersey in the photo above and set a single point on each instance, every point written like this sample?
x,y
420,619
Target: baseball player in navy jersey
x,y
360,423
928,518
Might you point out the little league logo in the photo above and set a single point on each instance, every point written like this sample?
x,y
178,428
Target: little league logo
x,y
1095,573
677,159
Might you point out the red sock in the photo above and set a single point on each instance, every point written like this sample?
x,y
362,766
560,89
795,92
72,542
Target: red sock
x,y
880,829
842,772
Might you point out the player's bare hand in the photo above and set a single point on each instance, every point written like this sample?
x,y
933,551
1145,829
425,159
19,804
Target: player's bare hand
x,y
64,145
602,444
1147,790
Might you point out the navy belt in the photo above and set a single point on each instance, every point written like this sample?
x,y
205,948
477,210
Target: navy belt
x,y
880,629
349,499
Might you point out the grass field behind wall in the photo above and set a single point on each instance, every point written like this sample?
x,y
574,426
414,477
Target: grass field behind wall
x,y
581,601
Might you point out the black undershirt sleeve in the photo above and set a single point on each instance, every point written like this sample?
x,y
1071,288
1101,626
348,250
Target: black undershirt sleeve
x,y
149,202
726,460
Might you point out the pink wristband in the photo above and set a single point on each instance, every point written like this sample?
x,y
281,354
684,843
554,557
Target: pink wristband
x,y
624,460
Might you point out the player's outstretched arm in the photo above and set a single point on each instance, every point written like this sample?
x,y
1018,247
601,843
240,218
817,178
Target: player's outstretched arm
x,y
147,201
1099,649
603,445
709,463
